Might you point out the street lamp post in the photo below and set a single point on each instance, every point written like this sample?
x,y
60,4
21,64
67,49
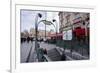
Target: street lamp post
x,y
36,31
55,28
45,31
36,34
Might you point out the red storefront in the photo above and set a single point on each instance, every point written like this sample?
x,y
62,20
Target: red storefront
x,y
81,32
78,31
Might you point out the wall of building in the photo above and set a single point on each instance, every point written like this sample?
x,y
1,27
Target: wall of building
x,y
71,20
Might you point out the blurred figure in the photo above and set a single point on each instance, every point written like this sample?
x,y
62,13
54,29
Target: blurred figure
x,y
45,51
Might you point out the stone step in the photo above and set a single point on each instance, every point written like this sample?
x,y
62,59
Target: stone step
x,y
54,55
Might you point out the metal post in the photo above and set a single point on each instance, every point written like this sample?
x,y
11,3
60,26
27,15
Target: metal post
x,y
45,31
36,34
56,32
55,28
36,30
72,41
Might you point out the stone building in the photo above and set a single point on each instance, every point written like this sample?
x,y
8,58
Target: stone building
x,y
69,21
41,33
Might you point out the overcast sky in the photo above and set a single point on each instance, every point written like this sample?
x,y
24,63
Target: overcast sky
x,y
28,19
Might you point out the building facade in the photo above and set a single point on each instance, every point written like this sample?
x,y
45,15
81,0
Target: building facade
x,y
69,21
41,33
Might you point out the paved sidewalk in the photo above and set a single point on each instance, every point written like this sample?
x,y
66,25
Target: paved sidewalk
x,y
25,48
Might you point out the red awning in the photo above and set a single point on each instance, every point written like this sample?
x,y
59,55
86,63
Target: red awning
x,y
80,31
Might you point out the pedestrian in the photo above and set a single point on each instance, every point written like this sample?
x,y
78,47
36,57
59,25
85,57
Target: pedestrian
x,y
63,57
45,51
38,45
